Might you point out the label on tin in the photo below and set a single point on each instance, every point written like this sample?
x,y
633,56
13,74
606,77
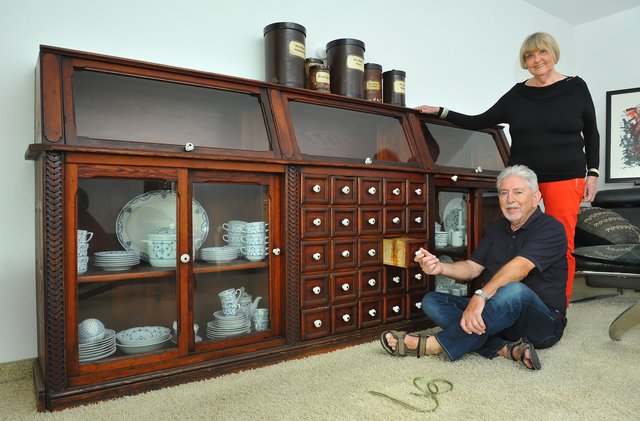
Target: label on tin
x,y
372,85
398,87
297,49
355,62
323,77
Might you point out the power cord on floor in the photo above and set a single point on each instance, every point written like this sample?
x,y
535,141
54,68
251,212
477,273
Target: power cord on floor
x,y
428,388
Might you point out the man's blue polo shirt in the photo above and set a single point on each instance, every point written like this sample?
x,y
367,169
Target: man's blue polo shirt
x,y
541,240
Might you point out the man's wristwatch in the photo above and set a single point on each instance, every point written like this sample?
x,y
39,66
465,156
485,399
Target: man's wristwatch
x,y
481,293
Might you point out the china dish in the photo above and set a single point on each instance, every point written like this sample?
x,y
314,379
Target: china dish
x,y
219,254
143,335
151,211
455,215
99,349
115,260
138,349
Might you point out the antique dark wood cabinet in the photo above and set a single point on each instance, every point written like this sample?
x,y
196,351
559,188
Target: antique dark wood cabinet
x,y
158,188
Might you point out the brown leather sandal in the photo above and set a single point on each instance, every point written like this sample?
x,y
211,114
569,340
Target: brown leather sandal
x,y
521,345
401,348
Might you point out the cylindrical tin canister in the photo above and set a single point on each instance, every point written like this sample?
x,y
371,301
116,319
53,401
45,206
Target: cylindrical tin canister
x,y
393,87
345,58
320,78
308,63
285,53
373,82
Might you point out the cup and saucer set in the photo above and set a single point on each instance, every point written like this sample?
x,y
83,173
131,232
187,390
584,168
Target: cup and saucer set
x,y
239,314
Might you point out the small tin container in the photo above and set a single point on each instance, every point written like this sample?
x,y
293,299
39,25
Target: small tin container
x,y
285,53
345,58
373,82
393,87
308,63
320,78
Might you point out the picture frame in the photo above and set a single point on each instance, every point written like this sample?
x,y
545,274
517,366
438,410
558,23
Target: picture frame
x,y
623,136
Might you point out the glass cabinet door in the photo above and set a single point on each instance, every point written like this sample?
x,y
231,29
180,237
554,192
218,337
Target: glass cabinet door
x,y
126,266
452,222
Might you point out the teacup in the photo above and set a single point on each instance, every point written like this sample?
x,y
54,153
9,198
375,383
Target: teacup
x,y
234,226
231,294
83,248
84,236
233,238
230,308
261,314
256,227
83,264
457,238
251,239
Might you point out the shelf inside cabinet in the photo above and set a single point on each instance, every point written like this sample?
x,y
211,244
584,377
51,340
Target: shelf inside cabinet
x,y
140,271
202,267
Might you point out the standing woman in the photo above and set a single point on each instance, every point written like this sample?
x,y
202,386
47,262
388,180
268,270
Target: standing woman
x,y
553,130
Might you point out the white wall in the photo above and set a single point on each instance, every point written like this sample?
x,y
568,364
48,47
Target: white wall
x,y
454,53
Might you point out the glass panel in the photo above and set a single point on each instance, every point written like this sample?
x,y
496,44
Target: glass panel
x,y
451,222
115,107
126,266
456,147
490,211
338,133
231,289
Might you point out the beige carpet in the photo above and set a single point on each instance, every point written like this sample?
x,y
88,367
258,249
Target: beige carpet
x,y
585,377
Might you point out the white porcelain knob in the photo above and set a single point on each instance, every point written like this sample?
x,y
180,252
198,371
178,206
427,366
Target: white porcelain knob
x,y
418,276
418,192
479,170
345,253
372,252
346,190
317,256
317,222
418,304
396,309
346,318
368,161
454,177
372,312
396,191
372,221
317,188
372,190
189,146
418,219
317,323
396,279
316,290
372,282
396,220
345,287
346,222
276,251
185,258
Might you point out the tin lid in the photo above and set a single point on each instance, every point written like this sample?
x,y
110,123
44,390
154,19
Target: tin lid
x,y
311,60
372,66
345,41
285,25
395,72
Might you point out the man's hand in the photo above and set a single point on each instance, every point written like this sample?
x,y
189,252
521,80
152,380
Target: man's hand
x,y
429,263
471,321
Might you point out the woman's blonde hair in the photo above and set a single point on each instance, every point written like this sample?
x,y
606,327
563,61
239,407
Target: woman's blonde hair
x,y
539,41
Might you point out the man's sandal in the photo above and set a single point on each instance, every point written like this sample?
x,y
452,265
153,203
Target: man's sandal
x,y
521,345
401,349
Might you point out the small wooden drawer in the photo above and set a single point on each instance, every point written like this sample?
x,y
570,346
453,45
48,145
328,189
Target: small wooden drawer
x,y
394,192
370,282
314,255
401,251
417,220
316,323
315,189
315,222
394,221
414,304
394,279
314,290
370,251
416,278
345,318
394,308
370,311
344,253
370,191
344,286
417,193
344,190
344,222
370,221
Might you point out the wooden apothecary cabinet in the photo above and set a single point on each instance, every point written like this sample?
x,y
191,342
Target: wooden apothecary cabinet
x,y
165,165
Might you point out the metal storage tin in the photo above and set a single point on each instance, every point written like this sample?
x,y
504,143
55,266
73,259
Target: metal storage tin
x,y
393,87
345,58
373,82
285,53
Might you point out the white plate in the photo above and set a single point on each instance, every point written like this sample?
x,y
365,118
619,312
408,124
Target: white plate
x,y
451,214
151,211
99,356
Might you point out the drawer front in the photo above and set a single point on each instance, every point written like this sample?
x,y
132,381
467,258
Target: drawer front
x,y
394,221
394,308
345,318
316,323
314,290
370,221
370,311
416,278
394,192
314,256
344,286
370,251
315,222
344,253
417,193
315,189
370,191
370,282
394,279
414,304
344,190
344,222
417,220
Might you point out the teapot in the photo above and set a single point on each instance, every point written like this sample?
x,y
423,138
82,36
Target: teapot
x,y
248,306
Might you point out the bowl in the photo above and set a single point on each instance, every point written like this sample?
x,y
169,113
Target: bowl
x,y
90,330
143,335
140,348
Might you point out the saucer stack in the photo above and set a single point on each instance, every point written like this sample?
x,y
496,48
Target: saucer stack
x,y
219,254
116,259
99,349
224,326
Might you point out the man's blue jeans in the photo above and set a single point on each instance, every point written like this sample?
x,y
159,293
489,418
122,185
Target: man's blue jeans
x,y
515,311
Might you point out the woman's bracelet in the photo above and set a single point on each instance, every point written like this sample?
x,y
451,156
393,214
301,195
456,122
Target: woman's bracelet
x,y
442,113
594,172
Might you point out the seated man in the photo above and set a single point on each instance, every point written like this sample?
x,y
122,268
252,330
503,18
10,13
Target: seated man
x,y
522,302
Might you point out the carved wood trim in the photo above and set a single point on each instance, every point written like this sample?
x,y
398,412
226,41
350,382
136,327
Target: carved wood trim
x,y
293,254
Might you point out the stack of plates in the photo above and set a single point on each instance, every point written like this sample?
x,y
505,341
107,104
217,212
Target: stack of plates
x,y
224,326
219,254
116,259
98,349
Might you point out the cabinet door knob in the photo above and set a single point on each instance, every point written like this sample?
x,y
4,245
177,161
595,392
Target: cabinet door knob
x,y
372,252
396,220
418,192
418,276
345,287
478,170
345,253
317,323
454,177
372,221
316,290
276,251
346,222
372,282
418,304
372,312
346,190
346,317
317,222
317,256
372,190
396,309
368,161
185,258
317,188
396,279
189,146
396,191
418,219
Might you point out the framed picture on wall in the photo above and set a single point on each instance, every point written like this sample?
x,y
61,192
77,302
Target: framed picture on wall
x,y
623,136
